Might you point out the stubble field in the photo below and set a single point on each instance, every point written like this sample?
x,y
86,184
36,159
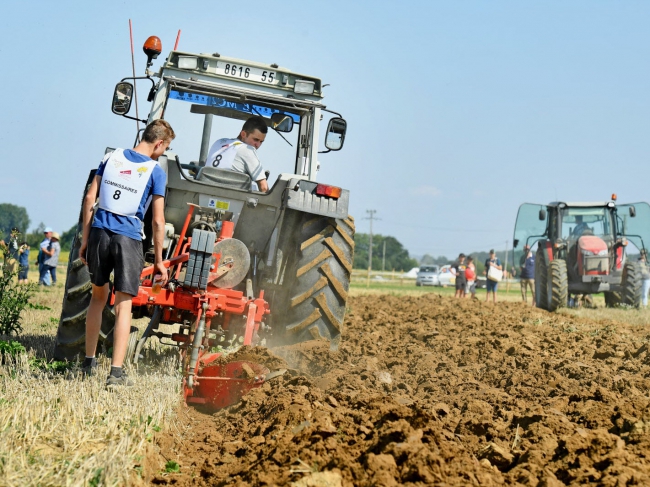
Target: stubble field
x,y
425,390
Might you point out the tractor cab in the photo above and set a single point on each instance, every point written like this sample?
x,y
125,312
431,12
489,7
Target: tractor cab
x,y
589,243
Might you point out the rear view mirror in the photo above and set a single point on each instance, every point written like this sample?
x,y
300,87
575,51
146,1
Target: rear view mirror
x,y
335,133
122,98
542,214
632,211
281,122
515,243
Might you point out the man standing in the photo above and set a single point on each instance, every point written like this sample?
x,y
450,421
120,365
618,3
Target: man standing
x,y
127,181
11,251
44,278
458,270
51,257
240,154
527,273
491,285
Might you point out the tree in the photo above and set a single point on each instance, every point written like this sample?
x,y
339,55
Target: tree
x,y
430,260
68,237
397,257
13,216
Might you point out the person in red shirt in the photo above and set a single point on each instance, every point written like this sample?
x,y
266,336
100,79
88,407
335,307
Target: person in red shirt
x,y
470,274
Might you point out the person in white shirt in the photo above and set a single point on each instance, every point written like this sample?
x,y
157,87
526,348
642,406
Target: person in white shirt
x,y
240,154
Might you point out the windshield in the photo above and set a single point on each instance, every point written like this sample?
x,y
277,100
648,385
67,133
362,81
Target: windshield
x,y
529,227
429,268
192,113
635,228
586,221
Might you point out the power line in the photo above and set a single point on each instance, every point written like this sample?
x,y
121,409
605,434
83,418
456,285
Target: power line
x,y
445,229
372,217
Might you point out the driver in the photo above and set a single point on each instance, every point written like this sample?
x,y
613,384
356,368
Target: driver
x,y
240,154
580,228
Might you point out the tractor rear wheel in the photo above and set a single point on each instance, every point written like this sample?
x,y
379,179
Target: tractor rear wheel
x,y
71,335
318,280
541,300
612,299
632,284
557,286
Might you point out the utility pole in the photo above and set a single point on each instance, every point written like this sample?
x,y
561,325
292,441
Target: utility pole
x,y
383,259
371,218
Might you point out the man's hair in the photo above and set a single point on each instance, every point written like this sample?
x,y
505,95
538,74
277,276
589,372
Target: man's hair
x,y
158,130
470,258
461,256
255,123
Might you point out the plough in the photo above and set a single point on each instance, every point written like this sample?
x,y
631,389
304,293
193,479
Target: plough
x,y
199,296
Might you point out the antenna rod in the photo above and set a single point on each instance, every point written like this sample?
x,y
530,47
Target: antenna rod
x,y
178,36
135,90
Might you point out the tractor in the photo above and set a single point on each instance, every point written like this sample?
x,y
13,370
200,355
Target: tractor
x,y
584,249
246,267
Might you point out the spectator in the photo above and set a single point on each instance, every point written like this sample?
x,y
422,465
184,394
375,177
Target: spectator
x,y
645,275
44,278
23,262
527,273
458,270
52,256
470,274
11,251
491,285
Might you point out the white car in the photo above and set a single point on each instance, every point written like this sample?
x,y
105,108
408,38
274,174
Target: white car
x,y
427,276
445,277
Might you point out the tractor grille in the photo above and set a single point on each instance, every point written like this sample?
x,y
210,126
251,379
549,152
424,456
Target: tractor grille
x,y
595,265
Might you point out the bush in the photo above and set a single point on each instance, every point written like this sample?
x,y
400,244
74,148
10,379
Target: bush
x,y
14,298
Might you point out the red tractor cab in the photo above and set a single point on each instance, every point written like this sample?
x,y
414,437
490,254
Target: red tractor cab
x,y
582,248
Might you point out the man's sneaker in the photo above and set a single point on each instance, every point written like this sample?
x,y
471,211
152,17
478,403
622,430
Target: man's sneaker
x,y
113,381
88,371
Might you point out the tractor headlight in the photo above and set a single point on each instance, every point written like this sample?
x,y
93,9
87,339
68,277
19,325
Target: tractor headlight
x,y
188,62
304,87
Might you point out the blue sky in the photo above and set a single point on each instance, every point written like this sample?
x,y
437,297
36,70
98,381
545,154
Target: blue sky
x,y
457,111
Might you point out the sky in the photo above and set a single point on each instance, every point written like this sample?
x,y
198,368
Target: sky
x,y
457,112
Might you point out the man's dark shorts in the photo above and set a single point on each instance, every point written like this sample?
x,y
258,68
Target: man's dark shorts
x,y
111,252
461,284
491,286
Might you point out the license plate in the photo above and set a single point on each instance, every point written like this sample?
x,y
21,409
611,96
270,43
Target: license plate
x,y
241,71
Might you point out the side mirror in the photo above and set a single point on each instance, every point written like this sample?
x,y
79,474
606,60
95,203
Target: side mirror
x,y
335,133
632,211
122,98
281,122
542,214
515,243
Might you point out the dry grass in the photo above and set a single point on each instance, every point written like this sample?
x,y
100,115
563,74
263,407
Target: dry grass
x,y
56,429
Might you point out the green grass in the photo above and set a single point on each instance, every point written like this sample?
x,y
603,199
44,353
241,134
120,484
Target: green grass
x,y
407,287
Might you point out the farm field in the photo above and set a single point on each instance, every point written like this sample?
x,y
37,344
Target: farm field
x,y
425,390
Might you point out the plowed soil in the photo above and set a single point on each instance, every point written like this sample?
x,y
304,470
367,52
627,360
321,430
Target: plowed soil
x,y
434,391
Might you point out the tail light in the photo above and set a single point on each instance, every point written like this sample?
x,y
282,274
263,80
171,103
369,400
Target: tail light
x,y
329,191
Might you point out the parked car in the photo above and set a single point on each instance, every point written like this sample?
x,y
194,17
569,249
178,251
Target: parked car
x,y
445,277
427,276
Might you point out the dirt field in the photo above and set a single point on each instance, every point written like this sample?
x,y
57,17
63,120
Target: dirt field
x,y
430,390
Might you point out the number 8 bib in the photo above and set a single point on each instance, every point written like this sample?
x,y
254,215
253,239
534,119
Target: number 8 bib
x,y
123,184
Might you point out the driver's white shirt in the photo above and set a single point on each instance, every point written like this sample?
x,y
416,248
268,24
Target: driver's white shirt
x,y
235,155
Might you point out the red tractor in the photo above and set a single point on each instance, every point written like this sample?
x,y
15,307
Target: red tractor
x,y
583,249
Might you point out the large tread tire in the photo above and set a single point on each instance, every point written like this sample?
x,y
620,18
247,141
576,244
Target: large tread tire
x,y
631,295
541,300
612,299
557,285
71,334
319,280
